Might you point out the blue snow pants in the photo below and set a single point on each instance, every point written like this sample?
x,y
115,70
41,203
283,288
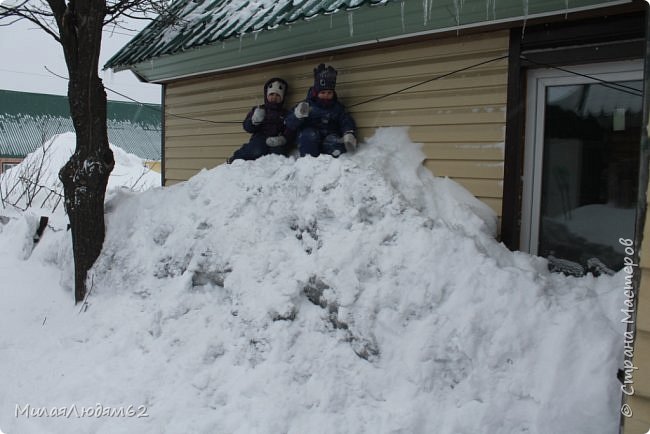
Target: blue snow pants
x,y
312,142
257,148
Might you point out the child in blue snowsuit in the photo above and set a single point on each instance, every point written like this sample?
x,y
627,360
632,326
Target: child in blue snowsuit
x,y
321,122
266,124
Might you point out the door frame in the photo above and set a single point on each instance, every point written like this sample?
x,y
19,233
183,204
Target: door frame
x,y
537,82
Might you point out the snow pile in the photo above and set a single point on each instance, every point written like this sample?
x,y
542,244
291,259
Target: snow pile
x,y
350,295
35,183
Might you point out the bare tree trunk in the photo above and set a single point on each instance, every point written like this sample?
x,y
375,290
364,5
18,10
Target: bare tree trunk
x,y
85,175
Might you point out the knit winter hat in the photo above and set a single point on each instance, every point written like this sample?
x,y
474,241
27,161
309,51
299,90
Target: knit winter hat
x,y
324,78
277,86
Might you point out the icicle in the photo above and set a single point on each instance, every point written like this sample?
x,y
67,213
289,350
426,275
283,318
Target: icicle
x,y
523,28
331,21
108,76
425,9
241,41
402,11
457,6
351,23
490,5
566,9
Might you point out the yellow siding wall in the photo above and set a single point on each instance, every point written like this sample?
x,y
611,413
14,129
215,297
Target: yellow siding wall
x,y
639,403
460,119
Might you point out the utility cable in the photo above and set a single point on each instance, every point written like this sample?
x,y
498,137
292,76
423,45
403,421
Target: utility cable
x,y
353,105
429,80
151,106
610,84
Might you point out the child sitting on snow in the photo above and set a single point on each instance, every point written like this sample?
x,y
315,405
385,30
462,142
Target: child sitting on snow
x,y
322,124
266,124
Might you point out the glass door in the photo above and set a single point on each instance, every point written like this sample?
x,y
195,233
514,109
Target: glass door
x,y
581,165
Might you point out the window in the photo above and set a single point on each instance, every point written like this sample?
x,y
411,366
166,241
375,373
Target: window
x,y
582,158
7,166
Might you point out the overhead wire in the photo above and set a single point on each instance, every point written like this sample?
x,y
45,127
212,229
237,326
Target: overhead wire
x,y
149,106
609,84
438,77
456,71
613,85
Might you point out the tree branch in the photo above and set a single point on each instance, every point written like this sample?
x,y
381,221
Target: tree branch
x,y
34,14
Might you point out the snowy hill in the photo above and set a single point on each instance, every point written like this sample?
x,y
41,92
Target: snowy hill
x,y
350,295
35,183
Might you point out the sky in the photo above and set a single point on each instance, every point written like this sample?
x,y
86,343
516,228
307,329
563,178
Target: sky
x,y
26,51
311,295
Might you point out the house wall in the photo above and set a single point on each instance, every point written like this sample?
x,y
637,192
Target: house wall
x,y
460,119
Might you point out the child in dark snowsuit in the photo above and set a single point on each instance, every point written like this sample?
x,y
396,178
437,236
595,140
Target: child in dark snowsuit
x,y
266,124
322,124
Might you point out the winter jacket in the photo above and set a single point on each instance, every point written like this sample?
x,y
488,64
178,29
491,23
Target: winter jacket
x,y
273,123
326,117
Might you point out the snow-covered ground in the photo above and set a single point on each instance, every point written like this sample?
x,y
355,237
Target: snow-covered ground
x,y
317,295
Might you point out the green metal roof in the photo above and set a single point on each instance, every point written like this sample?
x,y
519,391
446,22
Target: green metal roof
x,y
204,22
27,120
216,35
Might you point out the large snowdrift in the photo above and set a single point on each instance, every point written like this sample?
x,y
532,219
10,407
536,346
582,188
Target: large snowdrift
x,y
35,183
318,295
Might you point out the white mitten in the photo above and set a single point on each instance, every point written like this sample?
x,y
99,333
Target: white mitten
x,y
276,141
258,115
302,110
350,141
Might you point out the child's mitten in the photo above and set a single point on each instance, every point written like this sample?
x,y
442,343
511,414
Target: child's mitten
x,y
302,110
258,115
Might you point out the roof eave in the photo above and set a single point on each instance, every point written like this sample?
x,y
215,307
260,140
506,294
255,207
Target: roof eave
x,y
323,33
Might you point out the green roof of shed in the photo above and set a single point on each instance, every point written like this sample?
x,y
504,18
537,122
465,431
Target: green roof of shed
x,y
27,120
217,35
